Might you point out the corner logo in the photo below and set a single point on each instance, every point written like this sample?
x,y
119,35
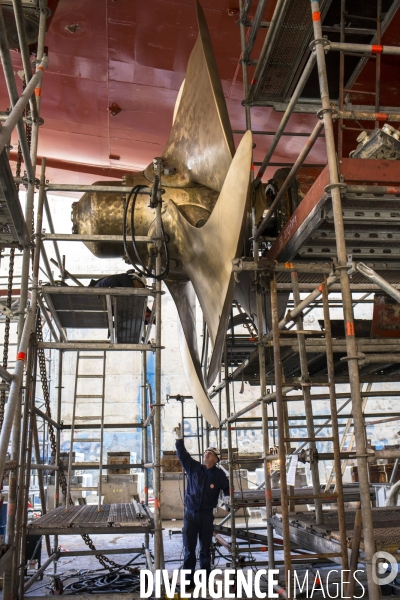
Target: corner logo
x,y
384,568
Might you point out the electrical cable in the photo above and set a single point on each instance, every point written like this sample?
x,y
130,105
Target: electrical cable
x,y
114,581
143,270
203,349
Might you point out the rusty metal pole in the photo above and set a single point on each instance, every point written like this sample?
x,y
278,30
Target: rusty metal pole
x,y
335,426
21,496
265,425
23,508
145,440
378,60
26,454
355,549
281,436
288,446
341,76
244,64
306,386
335,184
158,539
42,493
230,463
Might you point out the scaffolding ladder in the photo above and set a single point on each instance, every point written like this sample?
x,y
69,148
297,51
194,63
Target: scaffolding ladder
x,y
101,355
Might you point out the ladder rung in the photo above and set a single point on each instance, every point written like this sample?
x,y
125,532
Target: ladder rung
x,y
87,418
320,439
93,356
84,489
90,376
89,396
86,440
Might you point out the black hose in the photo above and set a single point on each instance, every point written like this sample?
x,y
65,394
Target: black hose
x,y
114,582
143,270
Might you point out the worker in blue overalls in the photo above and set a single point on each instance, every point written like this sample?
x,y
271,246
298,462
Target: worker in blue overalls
x,y
204,484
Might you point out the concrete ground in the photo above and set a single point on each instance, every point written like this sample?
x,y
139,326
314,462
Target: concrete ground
x,y
72,568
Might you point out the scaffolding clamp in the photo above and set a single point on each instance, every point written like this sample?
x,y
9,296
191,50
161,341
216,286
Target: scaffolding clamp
x,y
360,357
324,41
342,187
334,114
369,455
309,455
6,311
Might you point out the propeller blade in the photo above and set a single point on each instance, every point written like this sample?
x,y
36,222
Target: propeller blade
x,y
200,145
207,252
185,299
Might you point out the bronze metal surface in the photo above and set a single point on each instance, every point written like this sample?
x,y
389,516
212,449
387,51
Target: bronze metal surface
x,y
204,230
200,145
102,213
207,253
185,299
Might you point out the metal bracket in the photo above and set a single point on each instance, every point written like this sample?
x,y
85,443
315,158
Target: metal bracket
x,y
330,186
358,357
324,41
309,455
334,113
6,311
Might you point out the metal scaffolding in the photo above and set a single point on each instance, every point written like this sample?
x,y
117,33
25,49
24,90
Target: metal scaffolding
x,y
21,418
278,265
273,263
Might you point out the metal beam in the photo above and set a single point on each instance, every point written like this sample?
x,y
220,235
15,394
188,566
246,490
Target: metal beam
x,y
106,346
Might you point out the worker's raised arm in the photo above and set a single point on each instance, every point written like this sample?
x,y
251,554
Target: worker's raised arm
x,y
185,459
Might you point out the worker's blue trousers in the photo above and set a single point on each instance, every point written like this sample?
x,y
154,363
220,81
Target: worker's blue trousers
x,y
198,524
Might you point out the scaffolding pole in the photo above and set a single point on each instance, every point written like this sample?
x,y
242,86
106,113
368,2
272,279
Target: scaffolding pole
x,y
281,438
158,539
359,429
306,385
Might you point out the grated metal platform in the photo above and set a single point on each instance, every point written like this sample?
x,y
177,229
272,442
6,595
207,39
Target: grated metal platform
x,y
88,311
13,229
256,498
371,219
127,518
129,315
290,47
305,533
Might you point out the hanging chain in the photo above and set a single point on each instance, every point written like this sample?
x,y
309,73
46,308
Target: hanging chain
x,y
106,562
248,324
7,331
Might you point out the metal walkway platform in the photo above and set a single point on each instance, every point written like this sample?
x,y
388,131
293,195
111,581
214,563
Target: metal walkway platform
x,y
371,217
289,38
120,310
289,49
305,533
256,498
126,518
13,229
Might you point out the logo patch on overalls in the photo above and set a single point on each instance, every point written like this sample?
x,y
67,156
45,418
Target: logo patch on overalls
x,y
212,485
